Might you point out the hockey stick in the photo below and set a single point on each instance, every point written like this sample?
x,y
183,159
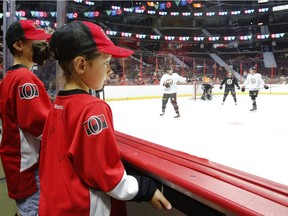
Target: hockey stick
x,y
262,88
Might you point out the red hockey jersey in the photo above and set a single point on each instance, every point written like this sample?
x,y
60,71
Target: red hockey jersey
x,y
24,106
80,163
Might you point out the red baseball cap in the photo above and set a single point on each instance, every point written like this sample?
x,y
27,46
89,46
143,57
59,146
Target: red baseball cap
x,y
80,37
25,29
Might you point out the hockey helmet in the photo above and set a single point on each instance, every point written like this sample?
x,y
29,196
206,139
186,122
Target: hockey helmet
x,y
168,69
253,69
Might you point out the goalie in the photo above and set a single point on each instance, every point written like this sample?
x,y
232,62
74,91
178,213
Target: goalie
x,y
207,91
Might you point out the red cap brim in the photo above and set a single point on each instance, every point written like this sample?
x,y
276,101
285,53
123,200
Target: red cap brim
x,y
115,51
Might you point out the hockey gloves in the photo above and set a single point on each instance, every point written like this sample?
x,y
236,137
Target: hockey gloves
x,y
220,87
266,86
243,89
238,87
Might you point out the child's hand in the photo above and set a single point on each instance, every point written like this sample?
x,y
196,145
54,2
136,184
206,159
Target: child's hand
x,y
158,201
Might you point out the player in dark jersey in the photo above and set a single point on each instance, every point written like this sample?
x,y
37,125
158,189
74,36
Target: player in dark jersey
x,y
80,168
207,91
24,106
230,82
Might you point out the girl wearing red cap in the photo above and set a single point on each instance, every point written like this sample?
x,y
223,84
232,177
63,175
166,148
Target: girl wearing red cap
x,y
81,171
24,106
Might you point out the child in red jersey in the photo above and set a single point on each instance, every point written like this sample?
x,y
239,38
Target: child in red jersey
x,y
24,106
80,168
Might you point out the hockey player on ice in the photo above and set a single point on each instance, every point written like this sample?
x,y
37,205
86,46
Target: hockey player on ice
x,y
169,82
253,82
230,82
207,91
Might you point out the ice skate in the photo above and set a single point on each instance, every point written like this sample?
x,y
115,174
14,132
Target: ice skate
x,y
222,103
254,107
161,114
177,116
235,104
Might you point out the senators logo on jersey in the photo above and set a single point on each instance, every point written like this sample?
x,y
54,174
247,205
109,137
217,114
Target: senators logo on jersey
x,y
95,124
28,91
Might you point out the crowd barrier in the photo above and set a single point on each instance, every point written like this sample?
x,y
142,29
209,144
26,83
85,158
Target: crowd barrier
x,y
197,186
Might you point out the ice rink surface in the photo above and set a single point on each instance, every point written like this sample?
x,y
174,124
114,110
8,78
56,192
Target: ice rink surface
x,y
253,142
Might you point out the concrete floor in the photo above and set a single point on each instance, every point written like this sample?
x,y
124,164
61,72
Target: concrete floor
x,y
7,205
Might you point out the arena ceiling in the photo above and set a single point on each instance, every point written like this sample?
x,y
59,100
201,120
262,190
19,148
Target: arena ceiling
x,y
192,26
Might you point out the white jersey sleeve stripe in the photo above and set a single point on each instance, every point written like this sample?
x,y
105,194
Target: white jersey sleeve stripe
x,y
126,189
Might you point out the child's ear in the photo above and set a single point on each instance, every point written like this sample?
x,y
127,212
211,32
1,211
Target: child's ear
x,y
79,64
18,45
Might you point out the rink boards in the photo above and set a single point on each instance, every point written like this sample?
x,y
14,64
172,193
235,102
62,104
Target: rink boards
x,y
199,187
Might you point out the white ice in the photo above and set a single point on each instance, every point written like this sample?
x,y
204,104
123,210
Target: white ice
x,y
253,142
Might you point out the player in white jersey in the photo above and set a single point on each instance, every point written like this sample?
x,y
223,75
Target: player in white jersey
x,y
169,82
254,82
